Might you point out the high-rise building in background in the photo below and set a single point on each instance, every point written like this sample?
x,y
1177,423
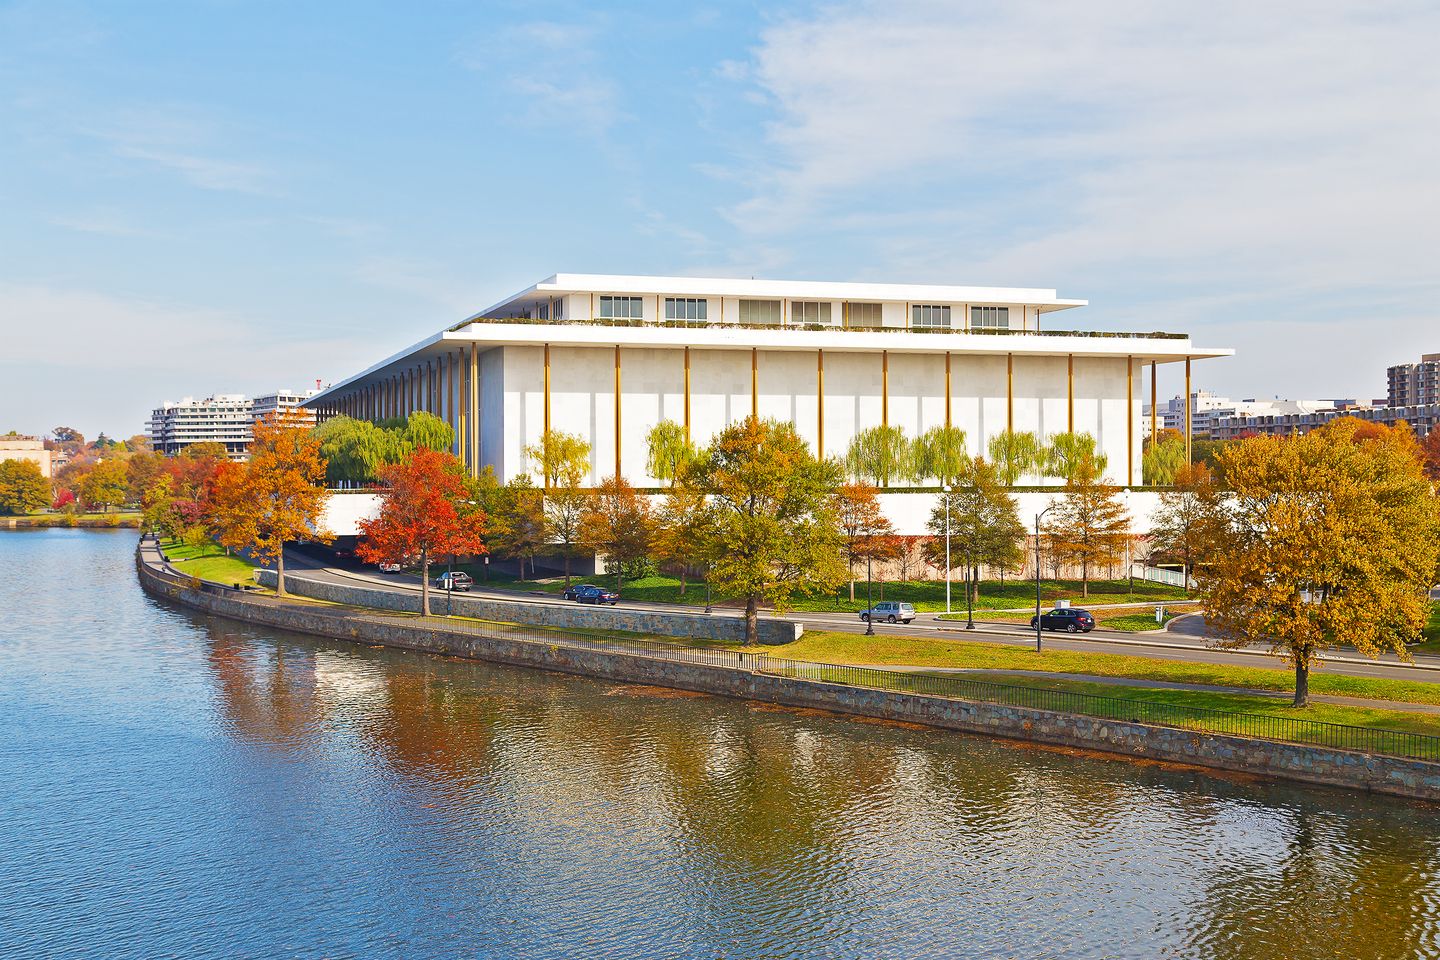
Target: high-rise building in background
x,y
225,418
1414,384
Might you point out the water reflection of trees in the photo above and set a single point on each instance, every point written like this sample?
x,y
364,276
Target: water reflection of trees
x,y
1356,878
783,825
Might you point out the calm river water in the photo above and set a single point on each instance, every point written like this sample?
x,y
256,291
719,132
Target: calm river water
x,y
174,785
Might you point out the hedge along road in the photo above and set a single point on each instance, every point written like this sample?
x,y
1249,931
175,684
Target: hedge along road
x,y
1163,646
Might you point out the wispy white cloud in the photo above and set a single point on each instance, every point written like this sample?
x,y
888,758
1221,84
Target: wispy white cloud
x,y
555,70
107,223
185,142
1285,143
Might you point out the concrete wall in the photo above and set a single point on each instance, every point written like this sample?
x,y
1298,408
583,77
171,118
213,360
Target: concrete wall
x,y
733,674
557,614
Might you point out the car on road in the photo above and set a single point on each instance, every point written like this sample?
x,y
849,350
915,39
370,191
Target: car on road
x,y
454,580
889,611
387,567
572,591
1069,619
588,593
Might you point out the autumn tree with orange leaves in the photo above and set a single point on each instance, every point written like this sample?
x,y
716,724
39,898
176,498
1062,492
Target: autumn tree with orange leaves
x,y
276,497
428,508
865,531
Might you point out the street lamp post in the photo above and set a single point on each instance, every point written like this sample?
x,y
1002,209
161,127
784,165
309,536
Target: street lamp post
x,y
707,588
450,586
1038,517
945,492
969,594
869,600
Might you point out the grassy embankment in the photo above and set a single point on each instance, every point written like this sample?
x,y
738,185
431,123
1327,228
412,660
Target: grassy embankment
x,y
115,518
208,562
927,595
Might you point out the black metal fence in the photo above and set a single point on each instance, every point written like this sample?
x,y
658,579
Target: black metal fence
x,y
1394,743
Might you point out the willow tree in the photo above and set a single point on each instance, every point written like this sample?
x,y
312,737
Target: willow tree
x,y
1326,539
878,455
1063,455
1163,460
1014,453
669,451
940,453
770,531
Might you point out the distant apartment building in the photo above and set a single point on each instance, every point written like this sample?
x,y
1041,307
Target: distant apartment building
x,y
16,447
1421,418
1414,384
287,401
1207,410
225,418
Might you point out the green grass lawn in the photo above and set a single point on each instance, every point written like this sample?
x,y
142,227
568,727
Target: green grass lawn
x,y
209,562
927,595
1431,643
882,650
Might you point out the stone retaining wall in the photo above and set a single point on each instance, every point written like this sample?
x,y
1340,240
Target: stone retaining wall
x,y
558,613
1320,765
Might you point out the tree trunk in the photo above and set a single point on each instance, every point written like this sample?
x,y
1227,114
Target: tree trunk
x,y
852,584
1302,683
683,570
1085,579
567,569
280,572
424,583
752,620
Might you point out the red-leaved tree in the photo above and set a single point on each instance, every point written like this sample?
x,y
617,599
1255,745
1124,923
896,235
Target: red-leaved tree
x,y
427,509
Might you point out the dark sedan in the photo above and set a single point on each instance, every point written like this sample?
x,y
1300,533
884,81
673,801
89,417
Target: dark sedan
x,y
596,595
1069,619
573,591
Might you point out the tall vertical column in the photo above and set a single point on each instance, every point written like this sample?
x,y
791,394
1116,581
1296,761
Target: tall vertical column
x,y
617,410
1154,392
547,397
820,403
1010,392
1188,455
452,394
947,388
885,388
687,393
755,382
1130,421
462,408
476,436
1070,394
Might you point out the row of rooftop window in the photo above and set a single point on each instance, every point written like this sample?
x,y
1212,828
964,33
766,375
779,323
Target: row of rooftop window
x,y
802,312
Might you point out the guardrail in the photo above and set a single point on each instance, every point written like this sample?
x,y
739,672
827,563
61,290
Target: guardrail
x,y
818,327
1393,743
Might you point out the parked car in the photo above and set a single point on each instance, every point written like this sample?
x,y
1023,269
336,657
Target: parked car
x,y
1069,619
572,591
588,593
890,611
456,580
387,567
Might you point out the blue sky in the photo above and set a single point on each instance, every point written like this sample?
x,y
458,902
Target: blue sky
x,y
235,196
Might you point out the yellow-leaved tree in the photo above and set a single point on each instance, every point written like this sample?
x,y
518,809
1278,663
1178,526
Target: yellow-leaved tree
x,y
1326,539
278,496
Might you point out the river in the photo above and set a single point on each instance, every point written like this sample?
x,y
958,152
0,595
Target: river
x,y
178,785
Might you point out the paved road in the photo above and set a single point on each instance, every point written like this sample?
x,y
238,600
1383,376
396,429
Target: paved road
x,y
1171,645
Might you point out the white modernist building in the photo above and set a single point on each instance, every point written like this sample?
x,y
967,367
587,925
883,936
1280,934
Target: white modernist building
x,y
607,357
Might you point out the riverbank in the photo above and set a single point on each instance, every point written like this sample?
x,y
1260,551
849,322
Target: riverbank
x,y
931,701
46,521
